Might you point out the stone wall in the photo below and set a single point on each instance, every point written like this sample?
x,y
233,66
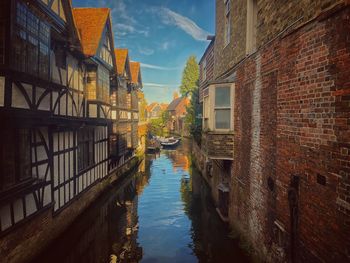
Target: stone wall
x,y
290,188
30,238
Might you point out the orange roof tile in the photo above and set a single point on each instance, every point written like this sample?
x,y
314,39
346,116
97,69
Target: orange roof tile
x,y
121,55
90,23
164,106
150,107
135,71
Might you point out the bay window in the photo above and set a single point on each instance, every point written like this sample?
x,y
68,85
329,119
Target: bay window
x,y
31,43
222,108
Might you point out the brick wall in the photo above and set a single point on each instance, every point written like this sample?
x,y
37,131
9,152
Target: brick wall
x,y
218,145
273,17
227,56
292,112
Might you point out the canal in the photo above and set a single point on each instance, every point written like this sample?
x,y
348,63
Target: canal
x,y
161,212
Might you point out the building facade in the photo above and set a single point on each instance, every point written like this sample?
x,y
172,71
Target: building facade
x,y
57,67
282,139
177,111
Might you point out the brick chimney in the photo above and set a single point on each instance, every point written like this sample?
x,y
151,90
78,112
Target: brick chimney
x,y
175,95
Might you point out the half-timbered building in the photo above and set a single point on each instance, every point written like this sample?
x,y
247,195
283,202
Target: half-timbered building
x,y
57,66
136,85
121,109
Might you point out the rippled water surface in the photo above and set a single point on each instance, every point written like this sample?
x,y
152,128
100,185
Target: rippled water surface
x,y
160,213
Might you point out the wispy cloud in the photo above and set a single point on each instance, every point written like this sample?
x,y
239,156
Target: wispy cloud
x,y
150,66
124,29
170,17
159,85
146,51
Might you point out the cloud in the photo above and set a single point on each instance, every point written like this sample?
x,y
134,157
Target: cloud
x,y
146,51
150,66
159,85
166,45
170,17
124,29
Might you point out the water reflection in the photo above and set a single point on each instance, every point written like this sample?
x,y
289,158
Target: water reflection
x,y
161,213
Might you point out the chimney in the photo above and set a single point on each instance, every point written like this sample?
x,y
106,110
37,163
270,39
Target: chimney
x,y
175,95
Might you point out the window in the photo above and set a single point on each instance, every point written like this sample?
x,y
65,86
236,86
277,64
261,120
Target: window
x,y
2,32
227,21
105,52
222,108
85,148
204,69
31,43
206,112
252,18
15,163
103,84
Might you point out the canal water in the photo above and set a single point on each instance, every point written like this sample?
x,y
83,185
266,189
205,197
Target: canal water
x,y
160,213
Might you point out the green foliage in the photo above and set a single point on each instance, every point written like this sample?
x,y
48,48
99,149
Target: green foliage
x,y
193,122
165,117
190,76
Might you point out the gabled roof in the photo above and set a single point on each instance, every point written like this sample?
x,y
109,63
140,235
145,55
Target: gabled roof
x,y
122,58
150,107
135,72
164,106
176,102
90,23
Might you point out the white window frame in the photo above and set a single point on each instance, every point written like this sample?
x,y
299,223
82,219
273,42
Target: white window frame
x,y
211,106
218,108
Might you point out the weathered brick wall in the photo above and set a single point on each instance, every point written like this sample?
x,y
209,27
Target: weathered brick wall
x,y
227,56
218,145
273,18
292,112
208,57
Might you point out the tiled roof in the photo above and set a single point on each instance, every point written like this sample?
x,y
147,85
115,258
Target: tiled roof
x,y
135,71
174,104
177,102
121,55
164,106
90,23
150,107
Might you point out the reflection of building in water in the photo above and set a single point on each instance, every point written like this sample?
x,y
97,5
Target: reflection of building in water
x,y
106,232
209,234
142,179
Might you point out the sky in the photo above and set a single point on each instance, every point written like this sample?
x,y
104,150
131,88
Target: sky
x,y
161,34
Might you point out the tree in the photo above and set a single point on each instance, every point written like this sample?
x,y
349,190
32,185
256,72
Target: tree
x,y
190,76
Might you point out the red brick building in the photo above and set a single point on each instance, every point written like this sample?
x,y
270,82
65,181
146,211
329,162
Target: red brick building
x,y
287,68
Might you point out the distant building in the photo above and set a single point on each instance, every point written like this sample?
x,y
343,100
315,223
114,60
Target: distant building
x,y
155,110
177,111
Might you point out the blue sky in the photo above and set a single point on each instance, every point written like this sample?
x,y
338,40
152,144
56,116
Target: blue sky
x,y
160,34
